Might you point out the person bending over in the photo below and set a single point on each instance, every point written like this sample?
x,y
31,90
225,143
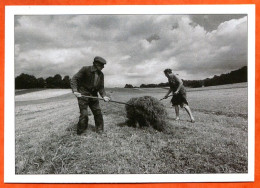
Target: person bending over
x,y
179,94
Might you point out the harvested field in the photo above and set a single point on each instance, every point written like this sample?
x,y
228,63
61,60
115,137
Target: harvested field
x,y
40,94
46,140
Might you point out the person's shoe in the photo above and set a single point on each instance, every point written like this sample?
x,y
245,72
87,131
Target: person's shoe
x,y
100,131
177,119
192,121
79,132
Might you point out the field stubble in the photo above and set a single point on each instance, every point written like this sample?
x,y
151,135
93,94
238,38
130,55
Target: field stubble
x,y
46,140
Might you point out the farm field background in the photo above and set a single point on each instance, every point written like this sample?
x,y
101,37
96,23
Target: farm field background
x,y
46,140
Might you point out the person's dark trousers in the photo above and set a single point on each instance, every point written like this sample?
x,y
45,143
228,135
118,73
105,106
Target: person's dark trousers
x,y
83,118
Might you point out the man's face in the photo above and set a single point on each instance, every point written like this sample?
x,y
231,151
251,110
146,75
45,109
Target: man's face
x,y
99,66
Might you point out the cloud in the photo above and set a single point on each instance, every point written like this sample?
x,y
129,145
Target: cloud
x,y
153,37
212,21
175,26
137,47
126,57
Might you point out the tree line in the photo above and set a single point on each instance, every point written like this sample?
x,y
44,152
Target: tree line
x,y
26,81
236,76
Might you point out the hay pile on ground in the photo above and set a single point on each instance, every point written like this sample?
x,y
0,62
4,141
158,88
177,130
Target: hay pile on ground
x,y
146,111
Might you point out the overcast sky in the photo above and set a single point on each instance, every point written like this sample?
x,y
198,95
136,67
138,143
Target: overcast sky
x,y
137,47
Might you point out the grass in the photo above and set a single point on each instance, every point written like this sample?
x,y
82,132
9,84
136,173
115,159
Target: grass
x,y
46,140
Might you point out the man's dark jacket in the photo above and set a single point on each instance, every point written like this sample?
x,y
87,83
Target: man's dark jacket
x,y
83,81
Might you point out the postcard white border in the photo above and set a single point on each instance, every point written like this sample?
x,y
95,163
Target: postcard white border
x,y
9,126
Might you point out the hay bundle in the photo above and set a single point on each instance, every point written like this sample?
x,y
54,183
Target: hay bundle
x,y
146,111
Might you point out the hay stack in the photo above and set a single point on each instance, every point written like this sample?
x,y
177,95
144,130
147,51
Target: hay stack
x,y
146,111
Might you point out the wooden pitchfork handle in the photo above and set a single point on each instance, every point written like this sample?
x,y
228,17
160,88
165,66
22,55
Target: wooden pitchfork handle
x,y
91,97
167,97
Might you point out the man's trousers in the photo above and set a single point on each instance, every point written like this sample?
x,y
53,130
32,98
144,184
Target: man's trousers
x,y
93,104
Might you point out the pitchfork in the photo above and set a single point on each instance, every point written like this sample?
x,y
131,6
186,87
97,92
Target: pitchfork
x,y
92,97
167,97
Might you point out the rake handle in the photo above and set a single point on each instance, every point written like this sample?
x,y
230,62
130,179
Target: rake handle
x,y
167,97
91,97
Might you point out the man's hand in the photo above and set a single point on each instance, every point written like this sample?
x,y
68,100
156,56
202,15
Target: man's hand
x,y
106,99
176,92
77,94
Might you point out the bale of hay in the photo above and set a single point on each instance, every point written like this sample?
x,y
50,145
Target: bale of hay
x,y
146,111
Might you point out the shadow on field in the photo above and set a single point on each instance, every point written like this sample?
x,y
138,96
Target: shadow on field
x,y
73,129
178,130
122,124
221,113
180,120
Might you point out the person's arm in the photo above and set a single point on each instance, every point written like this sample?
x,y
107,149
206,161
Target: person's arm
x,y
169,91
74,81
179,81
102,90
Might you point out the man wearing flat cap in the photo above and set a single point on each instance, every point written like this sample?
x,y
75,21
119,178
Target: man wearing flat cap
x,y
89,81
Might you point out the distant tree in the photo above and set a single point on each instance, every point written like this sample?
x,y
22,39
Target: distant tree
x,y
163,84
192,83
235,76
66,82
148,85
57,79
54,82
129,86
207,82
50,82
41,83
25,81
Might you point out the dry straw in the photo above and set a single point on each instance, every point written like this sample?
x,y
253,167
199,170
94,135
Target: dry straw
x,y
146,111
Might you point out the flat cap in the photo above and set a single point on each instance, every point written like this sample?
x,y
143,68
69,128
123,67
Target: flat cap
x,y
100,60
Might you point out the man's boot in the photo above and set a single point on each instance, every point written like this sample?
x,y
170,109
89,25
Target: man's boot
x,y
82,124
99,123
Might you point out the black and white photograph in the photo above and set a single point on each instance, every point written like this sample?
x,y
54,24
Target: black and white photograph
x,y
153,94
